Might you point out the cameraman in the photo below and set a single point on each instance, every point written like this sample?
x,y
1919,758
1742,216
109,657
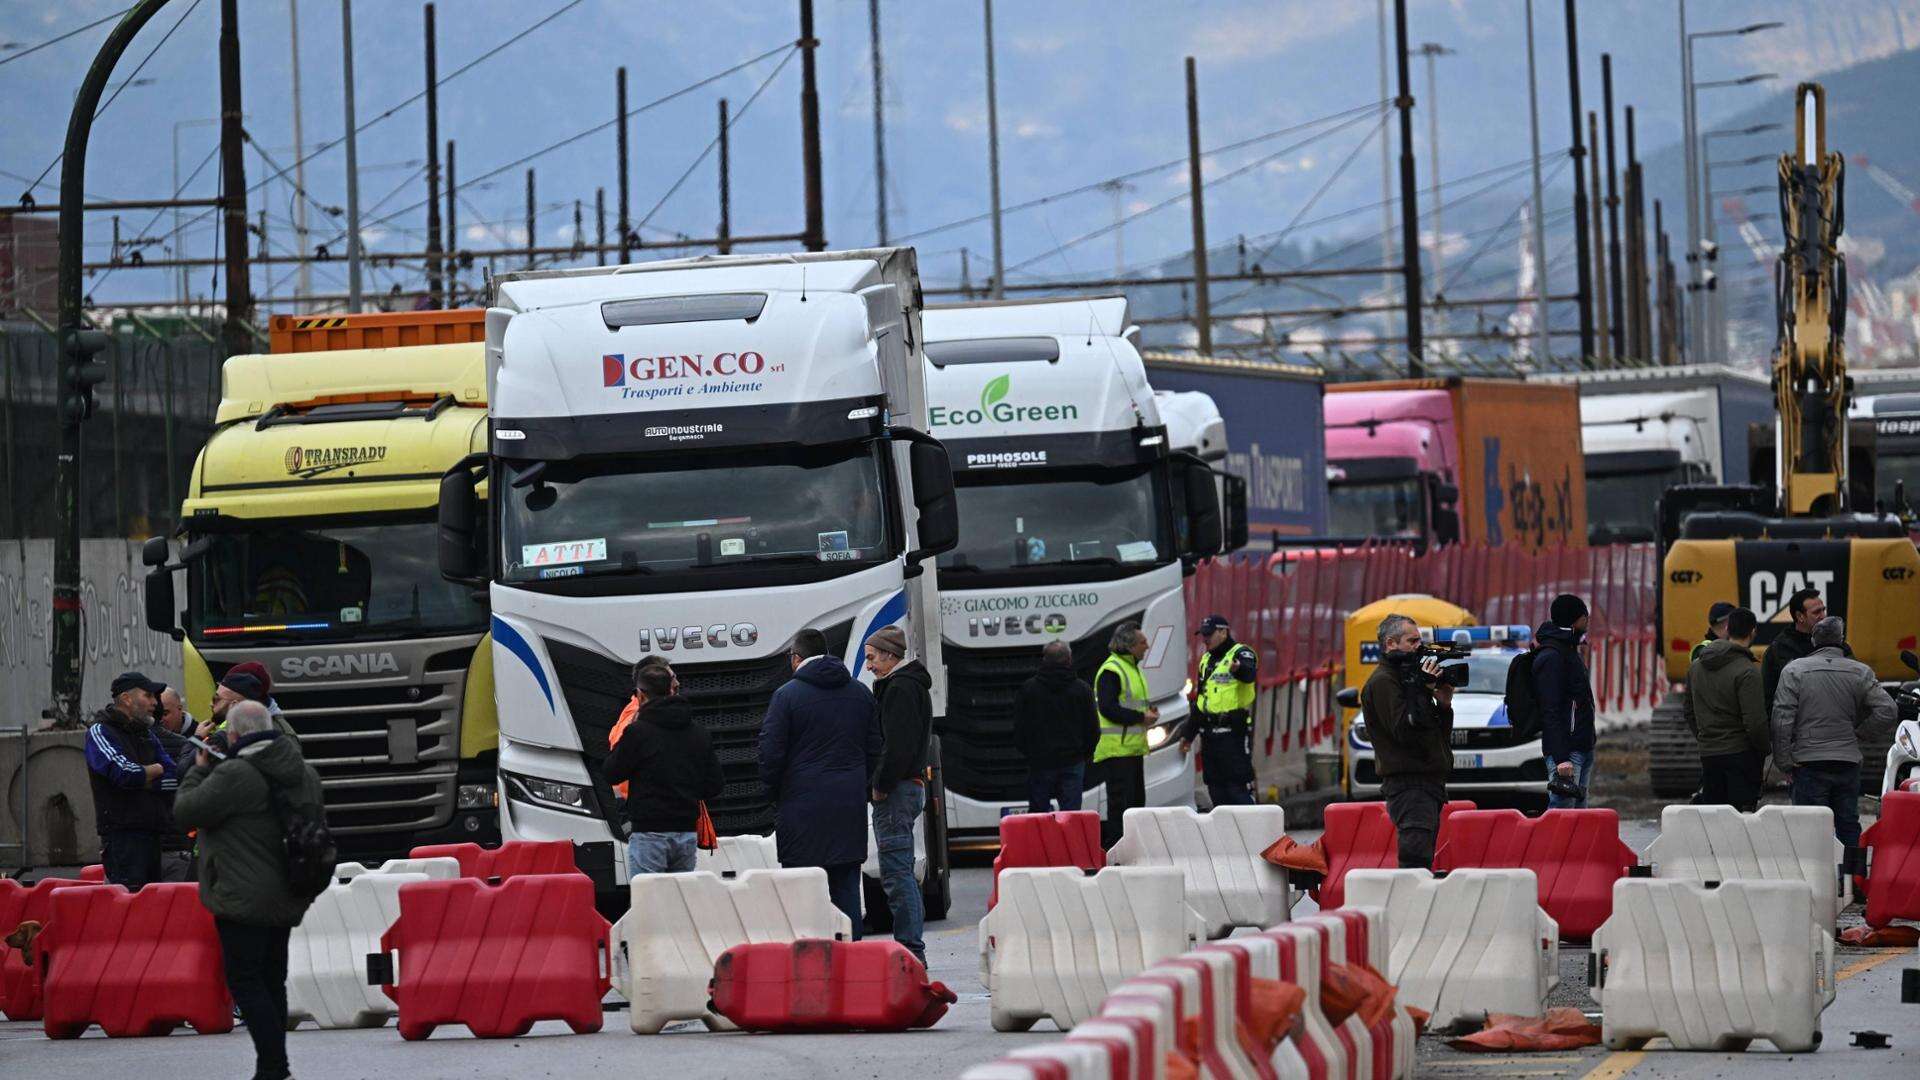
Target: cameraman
x,y
1409,715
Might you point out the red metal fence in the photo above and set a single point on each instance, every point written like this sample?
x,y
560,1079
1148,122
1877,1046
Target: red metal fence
x,y
1293,607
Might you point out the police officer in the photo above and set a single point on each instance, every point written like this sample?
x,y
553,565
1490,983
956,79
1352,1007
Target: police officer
x,y
1126,712
1222,718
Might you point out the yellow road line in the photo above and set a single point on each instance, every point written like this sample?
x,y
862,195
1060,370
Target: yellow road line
x,y
1868,963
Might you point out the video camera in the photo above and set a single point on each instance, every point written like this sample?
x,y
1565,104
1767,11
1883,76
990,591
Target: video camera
x,y
1456,675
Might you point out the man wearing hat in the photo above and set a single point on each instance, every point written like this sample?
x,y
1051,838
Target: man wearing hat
x,y
904,690
245,682
1565,693
1716,627
126,766
1222,718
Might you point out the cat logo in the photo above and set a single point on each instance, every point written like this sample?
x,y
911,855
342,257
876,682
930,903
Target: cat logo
x,y
1768,592
293,459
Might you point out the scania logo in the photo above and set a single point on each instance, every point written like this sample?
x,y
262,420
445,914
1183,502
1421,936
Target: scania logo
x,y
314,667
718,636
1685,577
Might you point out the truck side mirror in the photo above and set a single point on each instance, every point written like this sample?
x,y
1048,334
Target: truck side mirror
x,y
155,551
1912,661
163,614
460,558
1347,697
1204,520
1446,514
933,496
1235,489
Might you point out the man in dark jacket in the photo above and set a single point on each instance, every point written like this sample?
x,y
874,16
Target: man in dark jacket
x,y
666,759
1828,702
819,748
1222,718
235,803
904,691
1055,728
172,724
1409,716
1565,693
1791,643
1723,710
127,766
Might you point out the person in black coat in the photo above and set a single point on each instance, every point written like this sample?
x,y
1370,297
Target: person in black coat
x,y
904,689
1055,726
1791,643
819,749
1564,690
666,759
127,768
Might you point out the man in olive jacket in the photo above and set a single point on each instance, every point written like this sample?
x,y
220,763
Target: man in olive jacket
x,y
1724,708
243,866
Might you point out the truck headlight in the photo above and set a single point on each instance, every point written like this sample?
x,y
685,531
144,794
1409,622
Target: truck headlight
x,y
476,797
1359,730
1157,736
553,794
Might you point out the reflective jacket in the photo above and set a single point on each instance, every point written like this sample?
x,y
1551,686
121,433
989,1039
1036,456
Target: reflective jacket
x,y
1121,690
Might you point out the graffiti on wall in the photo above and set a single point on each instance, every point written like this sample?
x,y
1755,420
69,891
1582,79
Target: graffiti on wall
x,y
115,637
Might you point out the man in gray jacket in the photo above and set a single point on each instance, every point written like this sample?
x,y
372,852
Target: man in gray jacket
x,y
1827,701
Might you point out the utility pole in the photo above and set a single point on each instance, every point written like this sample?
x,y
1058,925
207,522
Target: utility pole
x,y
998,289
80,369
353,159
1432,51
531,238
1639,320
438,298
1669,348
301,242
1582,256
1692,163
1409,200
453,235
1613,214
620,141
1386,171
816,228
1544,342
1202,304
233,181
600,226
1602,336
879,127
724,234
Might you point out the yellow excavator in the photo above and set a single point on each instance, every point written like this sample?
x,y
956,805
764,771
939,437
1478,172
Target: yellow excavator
x,y
1755,545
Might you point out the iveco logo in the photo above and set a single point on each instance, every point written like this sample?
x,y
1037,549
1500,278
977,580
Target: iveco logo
x,y
719,636
313,667
1014,625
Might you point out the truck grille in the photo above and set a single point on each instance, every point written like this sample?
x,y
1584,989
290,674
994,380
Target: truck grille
x,y
976,737
729,699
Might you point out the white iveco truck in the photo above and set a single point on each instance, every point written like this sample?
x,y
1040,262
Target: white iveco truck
x,y
1075,517
698,459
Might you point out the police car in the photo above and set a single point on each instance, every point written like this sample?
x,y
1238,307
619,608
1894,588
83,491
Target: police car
x,y
1487,755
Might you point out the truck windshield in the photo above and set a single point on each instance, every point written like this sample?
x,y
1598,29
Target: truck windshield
x,y
1625,506
693,512
1892,465
308,581
1382,508
1097,516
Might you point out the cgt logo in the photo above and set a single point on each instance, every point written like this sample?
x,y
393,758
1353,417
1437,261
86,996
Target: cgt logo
x,y
616,369
1685,577
1897,573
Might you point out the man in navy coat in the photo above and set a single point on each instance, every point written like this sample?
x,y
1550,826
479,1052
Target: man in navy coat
x,y
819,744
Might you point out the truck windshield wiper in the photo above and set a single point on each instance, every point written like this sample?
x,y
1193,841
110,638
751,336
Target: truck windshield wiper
x,y
1090,560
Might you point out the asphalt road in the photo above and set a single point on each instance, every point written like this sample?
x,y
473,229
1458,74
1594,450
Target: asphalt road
x,y
1869,998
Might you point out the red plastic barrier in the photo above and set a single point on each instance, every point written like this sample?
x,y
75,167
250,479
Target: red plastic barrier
x,y
1066,838
19,980
95,872
1194,1019
511,859
1360,836
1893,860
816,985
498,958
1355,933
1576,855
135,963
1127,1064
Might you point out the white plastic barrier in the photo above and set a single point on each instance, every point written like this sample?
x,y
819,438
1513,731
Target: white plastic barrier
x,y
1347,1047
1146,1055
1402,1034
1228,882
1713,968
1777,843
1261,955
327,952
443,868
1216,998
679,924
737,855
1158,1016
1470,943
1060,940
1072,1061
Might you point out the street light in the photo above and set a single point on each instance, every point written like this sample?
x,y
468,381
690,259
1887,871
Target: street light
x,y
1742,163
1744,80
1730,133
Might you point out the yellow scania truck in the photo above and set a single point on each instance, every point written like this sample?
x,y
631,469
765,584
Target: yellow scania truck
x,y
308,541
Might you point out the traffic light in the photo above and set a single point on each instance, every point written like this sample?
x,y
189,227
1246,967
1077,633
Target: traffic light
x,y
84,370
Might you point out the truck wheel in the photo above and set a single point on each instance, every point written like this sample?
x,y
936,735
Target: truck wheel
x,y
1673,759
936,892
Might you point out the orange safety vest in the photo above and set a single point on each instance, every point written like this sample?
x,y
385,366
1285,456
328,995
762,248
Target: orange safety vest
x,y
619,728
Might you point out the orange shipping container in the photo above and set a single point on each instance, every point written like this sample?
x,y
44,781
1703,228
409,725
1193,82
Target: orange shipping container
x,y
376,330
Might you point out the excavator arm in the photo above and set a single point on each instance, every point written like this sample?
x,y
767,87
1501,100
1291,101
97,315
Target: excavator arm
x,y
1810,382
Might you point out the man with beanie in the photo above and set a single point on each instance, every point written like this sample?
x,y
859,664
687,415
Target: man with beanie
x,y
128,770
1222,718
1722,707
904,691
244,682
1716,627
1055,727
1806,609
1565,693
1828,703
665,763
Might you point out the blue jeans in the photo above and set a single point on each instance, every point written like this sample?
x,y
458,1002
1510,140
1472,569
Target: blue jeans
x,y
1064,784
1833,784
1582,773
844,889
894,820
660,853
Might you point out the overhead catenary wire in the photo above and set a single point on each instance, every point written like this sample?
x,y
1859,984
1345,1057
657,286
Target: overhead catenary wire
x,y
31,49
732,120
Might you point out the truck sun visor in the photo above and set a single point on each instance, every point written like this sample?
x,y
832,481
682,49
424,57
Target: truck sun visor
x,y
661,310
1006,350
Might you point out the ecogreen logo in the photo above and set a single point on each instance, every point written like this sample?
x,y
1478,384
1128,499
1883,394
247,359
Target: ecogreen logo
x,y
995,408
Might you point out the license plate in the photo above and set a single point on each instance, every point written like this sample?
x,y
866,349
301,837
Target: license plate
x,y
1467,761
1007,811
